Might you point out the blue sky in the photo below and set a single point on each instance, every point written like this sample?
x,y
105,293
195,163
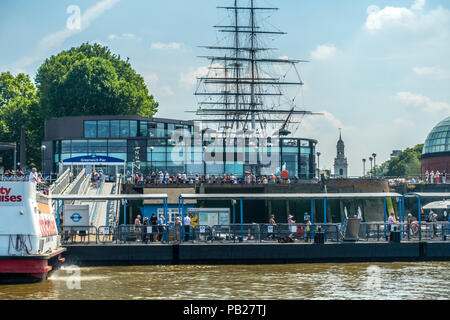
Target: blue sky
x,y
380,70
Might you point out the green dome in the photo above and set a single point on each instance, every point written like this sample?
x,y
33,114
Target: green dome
x,y
439,138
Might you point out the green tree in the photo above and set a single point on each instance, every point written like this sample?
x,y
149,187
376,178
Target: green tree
x,y
90,80
406,164
19,106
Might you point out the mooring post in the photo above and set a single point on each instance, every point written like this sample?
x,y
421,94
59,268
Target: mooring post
x,y
242,220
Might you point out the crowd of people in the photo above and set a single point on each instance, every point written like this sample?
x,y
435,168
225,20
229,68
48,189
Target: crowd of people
x,y
435,177
162,178
23,175
96,178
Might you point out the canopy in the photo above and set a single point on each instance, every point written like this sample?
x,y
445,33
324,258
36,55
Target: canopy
x,y
437,205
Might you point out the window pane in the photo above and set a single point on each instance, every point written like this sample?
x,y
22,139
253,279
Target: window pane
x,y
160,130
79,146
97,146
133,128
115,146
103,129
65,146
124,128
143,129
115,129
90,129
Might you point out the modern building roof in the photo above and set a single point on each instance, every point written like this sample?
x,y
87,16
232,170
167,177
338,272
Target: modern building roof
x,y
438,140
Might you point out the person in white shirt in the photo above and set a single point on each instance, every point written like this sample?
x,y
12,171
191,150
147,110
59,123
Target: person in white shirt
x,y
187,224
33,176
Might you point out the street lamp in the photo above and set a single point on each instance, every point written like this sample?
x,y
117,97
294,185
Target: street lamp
x,y
364,167
42,156
371,168
151,159
318,164
374,155
204,162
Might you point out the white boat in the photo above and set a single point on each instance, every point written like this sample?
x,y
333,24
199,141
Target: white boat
x,y
29,241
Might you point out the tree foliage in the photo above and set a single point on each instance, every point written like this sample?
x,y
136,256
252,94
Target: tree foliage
x,y
85,80
19,106
406,164
90,80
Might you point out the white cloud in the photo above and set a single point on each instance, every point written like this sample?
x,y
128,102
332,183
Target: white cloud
x,y
413,18
402,123
165,90
324,52
55,40
190,78
123,36
418,5
151,78
435,72
423,102
166,46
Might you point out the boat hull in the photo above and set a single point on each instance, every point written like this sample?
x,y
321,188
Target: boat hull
x,y
29,269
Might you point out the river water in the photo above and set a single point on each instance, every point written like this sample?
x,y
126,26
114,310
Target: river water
x,y
259,282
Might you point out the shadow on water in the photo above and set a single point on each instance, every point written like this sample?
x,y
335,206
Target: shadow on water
x,y
280,282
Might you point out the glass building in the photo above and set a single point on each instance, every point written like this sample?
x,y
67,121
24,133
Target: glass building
x,y
154,144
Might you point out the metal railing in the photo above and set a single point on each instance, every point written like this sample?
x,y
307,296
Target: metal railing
x,y
61,183
248,233
79,235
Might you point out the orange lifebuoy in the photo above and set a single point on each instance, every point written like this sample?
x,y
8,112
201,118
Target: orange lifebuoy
x,y
284,174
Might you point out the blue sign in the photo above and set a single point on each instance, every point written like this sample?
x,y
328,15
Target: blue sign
x,y
76,217
94,159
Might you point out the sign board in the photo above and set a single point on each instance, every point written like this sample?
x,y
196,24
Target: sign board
x,y
211,216
11,194
269,229
76,216
94,160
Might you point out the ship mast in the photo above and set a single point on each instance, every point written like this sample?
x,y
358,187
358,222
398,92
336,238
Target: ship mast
x,y
245,95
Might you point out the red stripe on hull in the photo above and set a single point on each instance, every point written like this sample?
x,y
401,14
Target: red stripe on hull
x,y
33,267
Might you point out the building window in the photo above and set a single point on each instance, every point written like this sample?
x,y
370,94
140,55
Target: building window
x,y
160,130
103,129
133,129
90,129
115,129
117,146
124,128
79,146
143,129
97,146
65,147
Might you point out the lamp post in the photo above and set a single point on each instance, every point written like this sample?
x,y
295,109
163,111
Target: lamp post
x,y
364,167
371,168
42,156
204,162
151,159
374,155
318,164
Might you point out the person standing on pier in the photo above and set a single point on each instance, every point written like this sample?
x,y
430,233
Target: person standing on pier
x,y
178,226
137,224
272,223
154,222
187,225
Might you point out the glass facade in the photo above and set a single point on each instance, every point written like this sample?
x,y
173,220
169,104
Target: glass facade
x,y
439,138
147,145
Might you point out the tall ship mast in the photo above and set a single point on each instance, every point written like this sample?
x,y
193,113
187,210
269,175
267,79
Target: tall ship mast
x,y
247,87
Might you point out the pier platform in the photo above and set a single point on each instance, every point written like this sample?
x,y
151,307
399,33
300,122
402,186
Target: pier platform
x,y
254,253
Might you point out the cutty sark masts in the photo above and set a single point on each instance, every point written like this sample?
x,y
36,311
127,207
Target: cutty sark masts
x,y
247,87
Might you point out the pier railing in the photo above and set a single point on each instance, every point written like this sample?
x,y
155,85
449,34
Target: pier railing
x,y
249,233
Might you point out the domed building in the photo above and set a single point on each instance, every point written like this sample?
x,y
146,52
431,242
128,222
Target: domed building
x,y
436,151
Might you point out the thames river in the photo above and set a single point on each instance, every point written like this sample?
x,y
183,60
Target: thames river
x,y
430,280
